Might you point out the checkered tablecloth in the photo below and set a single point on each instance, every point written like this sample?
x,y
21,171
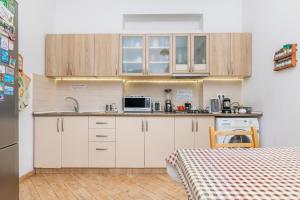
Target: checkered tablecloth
x,y
241,174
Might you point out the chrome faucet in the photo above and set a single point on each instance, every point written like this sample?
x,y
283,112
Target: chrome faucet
x,y
76,104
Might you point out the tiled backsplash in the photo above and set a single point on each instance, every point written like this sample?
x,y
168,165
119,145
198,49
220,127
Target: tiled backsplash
x,y
49,94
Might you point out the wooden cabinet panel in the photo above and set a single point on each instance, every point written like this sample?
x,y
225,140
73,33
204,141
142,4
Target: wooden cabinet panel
x,y
75,142
220,54
241,54
102,154
199,53
129,142
54,65
181,53
184,132
106,54
202,131
159,140
47,142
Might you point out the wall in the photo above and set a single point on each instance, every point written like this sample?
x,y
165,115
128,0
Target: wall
x,y
35,19
273,23
106,16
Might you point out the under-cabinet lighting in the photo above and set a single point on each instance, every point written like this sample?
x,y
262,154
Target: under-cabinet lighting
x,y
88,79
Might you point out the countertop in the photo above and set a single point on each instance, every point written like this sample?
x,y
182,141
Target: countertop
x,y
56,113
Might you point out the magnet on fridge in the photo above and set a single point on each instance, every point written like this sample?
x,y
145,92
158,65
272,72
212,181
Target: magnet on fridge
x,y
10,71
9,79
2,69
8,90
1,87
1,77
1,97
4,56
11,45
4,43
12,61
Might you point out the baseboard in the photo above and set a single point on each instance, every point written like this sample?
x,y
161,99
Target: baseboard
x,y
101,171
27,175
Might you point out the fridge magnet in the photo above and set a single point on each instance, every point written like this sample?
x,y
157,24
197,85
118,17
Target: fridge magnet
x,y
5,14
1,97
11,45
2,69
12,61
8,90
9,79
1,87
24,82
10,71
4,43
2,77
4,56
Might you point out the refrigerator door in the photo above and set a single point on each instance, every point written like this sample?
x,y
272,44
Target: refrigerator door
x,y
9,173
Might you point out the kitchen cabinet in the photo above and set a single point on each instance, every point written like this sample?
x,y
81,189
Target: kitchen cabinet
x,y
158,55
47,142
132,55
231,54
107,55
159,140
60,142
192,132
75,144
130,142
70,55
191,53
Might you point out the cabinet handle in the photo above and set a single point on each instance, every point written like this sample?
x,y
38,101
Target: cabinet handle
x,y
71,70
101,123
116,69
102,136
142,125
57,125
101,149
146,125
68,69
232,69
62,125
192,125
197,126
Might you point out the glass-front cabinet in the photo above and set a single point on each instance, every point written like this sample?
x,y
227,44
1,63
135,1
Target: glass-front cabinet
x,y
158,55
191,53
132,57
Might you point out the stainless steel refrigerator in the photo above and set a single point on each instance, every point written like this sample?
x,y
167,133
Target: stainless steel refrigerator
x,y
9,158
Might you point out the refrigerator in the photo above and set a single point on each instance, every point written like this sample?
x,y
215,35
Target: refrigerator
x,y
9,158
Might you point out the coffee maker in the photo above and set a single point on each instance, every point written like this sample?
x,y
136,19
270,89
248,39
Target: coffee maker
x,y
226,105
168,102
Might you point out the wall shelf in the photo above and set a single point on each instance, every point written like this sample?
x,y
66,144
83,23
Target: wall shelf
x,y
286,57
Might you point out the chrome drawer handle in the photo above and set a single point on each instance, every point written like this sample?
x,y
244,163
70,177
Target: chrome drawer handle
x,y
99,123
101,136
101,149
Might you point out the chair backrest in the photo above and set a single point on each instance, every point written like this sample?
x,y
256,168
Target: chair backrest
x,y
252,133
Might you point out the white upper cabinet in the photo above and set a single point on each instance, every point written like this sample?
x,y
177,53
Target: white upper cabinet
x,y
158,54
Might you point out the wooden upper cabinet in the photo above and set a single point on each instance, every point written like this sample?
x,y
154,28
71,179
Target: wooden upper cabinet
x,y
69,55
200,53
231,54
241,54
219,54
107,54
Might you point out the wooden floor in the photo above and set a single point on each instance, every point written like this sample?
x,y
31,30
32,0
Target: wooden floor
x,y
98,186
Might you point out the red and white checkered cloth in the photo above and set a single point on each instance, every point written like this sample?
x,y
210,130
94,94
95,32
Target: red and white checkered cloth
x,y
241,174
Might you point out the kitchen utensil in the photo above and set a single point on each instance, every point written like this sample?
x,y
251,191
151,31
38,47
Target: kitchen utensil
x,y
214,106
188,106
226,105
168,102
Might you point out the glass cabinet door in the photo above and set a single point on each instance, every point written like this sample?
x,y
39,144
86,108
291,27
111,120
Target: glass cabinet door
x,y
181,50
159,54
200,53
132,55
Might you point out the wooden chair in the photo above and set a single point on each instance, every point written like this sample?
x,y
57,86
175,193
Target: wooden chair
x,y
252,132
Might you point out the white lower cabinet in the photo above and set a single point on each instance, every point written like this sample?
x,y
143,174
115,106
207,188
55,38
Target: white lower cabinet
x,y
159,140
130,142
75,146
102,154
192,132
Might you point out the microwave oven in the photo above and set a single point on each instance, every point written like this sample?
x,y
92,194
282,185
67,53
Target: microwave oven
x,y
136,104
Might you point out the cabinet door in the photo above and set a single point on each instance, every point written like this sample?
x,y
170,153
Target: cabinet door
x,y
132,56
184,132
80,54
159,141
220,46
47,142
54,56
200,53
106,54
130,142
158,51
241,54
75,141
181,53
202,131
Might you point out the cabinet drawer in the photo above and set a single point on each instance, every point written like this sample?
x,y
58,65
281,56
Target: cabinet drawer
x,y
102,154
102,135
102,122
